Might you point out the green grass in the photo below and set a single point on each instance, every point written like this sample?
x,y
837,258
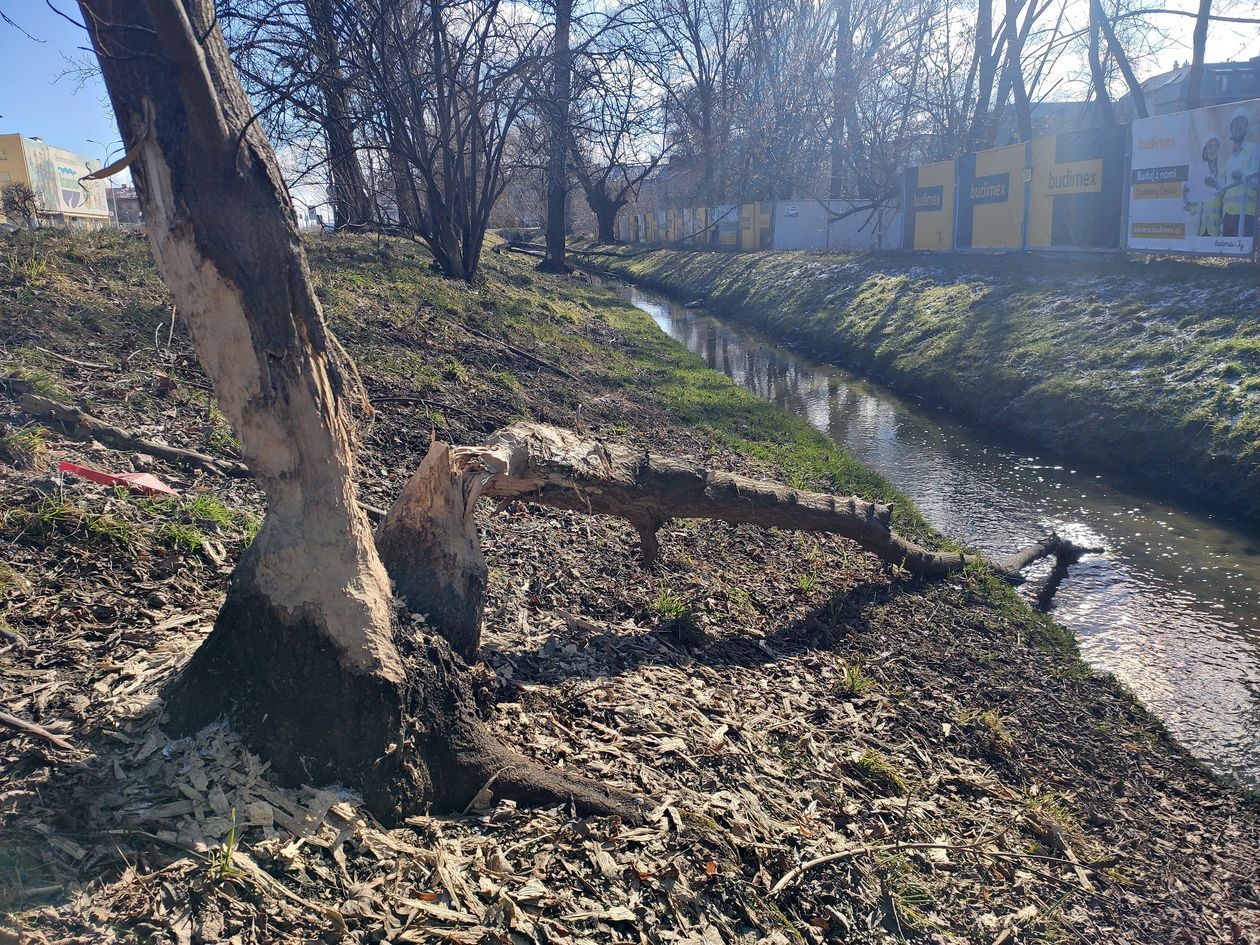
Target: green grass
x,y
181,537
22,446
989,724
854,681
878,772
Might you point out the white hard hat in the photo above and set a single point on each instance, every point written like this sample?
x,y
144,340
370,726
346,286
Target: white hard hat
x,y
1239,113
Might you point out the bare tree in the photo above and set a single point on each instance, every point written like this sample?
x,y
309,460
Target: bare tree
x,y
20,202
307,658
445,84
1194,82
614,119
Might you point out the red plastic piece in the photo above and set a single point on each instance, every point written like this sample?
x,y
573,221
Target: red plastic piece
x,y
141,482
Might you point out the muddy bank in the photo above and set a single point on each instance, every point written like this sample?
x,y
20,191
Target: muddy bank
x,y
1149,369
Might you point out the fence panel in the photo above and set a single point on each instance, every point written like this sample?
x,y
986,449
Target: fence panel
x,y
1192,180
800,224
857,227
991,199
928,207
1077,193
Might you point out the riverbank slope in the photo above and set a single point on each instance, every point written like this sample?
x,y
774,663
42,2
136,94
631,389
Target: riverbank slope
x,y
1150,369
780,697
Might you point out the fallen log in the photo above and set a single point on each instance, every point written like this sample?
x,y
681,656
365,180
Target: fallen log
x,y
432,519
78,423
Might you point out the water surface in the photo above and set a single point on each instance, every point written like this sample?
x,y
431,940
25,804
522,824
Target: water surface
x,y
1171,607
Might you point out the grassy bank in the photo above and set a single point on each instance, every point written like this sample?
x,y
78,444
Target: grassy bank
x,y
779,696
1147,368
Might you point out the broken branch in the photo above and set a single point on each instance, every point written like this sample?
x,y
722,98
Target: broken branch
x,y
32,728
557,468
77,422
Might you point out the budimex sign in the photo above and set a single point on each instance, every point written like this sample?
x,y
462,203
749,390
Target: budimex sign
x,y
927,222
992,192
1081,178
929,198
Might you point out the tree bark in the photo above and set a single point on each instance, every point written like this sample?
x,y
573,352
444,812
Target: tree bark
x,y
1098,76
841,90
986,69
1194,82
352,205
307,658
1122,60
1015,66
558,142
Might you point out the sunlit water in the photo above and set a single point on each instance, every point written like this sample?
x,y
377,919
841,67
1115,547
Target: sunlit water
x,y
1171,606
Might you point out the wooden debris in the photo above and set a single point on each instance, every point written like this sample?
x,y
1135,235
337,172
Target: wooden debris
x,y
31,728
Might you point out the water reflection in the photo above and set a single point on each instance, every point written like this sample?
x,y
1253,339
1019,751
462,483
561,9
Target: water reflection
x,y
1170,608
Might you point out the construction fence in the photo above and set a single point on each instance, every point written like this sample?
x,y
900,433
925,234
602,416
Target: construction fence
x,y
769,224
1185,182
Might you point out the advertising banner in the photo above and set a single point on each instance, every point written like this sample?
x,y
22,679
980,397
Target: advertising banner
x,y
1077,193
1192,180
55,173
927,220
991,200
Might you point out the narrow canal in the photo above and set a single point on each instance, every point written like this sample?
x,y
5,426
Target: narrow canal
x,y
1171,606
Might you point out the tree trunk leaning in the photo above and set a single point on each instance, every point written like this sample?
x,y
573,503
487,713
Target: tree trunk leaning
x,y
557,183
307,659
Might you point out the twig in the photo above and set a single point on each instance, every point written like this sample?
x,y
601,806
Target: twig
x,y
541,362
92,365
793,874
32,729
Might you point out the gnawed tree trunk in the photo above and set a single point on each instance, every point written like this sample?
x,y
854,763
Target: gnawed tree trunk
x,y
429,544
307,658
549,466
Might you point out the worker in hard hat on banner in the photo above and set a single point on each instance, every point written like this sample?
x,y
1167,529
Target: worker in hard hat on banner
x,y
1202,192
1242,164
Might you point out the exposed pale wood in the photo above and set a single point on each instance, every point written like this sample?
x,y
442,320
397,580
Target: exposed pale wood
x,y
428,541
78,422
308,658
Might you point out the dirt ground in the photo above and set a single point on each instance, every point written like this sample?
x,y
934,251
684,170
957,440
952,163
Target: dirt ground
x,y
779,698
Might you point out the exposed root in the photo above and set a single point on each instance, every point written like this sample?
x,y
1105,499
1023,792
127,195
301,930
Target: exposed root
x,y
408,746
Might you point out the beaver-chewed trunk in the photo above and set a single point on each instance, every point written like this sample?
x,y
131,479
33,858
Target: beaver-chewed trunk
x,y
305,659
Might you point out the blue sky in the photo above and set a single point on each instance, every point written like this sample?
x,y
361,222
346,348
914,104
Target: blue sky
x,y
39,103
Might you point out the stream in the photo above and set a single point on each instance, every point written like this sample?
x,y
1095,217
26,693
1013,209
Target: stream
x,y
1170,607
